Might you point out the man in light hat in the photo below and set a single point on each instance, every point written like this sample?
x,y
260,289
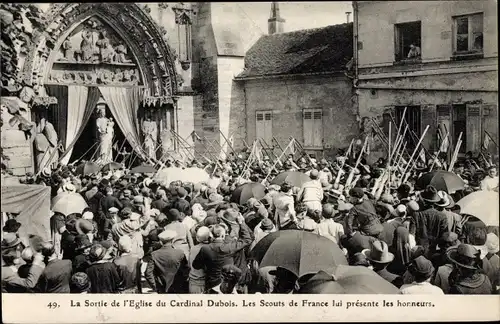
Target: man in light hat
x,y
380,257
490,182
128,266
285,217
167,269
131,225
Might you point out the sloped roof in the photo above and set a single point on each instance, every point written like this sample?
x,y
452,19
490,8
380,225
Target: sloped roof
x,y
326,49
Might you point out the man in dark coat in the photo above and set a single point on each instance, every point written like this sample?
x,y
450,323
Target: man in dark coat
x,y
428,225
108,202
167,270
364,214
57,273
221,251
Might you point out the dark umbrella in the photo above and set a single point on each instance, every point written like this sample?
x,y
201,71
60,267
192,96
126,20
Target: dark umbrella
x,y
298,251
143,168
441,180
346,279
86,168
248,190
112,166
295,178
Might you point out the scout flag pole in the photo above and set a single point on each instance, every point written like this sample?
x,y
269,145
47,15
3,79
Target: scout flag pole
x,y
416,148
455,153
274,165
351,174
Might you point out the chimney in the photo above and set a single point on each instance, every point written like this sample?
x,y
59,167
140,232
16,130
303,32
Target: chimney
x,y
348,14
275,24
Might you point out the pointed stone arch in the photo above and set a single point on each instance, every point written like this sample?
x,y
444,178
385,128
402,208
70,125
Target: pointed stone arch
x,y
140,34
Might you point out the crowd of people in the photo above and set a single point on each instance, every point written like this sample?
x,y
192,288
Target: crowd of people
x,y
139,235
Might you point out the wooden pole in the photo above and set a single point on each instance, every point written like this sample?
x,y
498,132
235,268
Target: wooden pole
x,y
390,154
275,162
416,148
455,153
351,174
228,144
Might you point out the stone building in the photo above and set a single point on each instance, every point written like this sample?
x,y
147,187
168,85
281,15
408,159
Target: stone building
x,y
161,70
437,58
297,84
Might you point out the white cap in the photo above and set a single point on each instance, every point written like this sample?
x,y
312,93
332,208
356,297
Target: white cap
x,y
167,235
113,210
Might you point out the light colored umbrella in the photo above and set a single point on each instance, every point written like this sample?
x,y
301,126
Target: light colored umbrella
x,y
67,203
194,175
482,204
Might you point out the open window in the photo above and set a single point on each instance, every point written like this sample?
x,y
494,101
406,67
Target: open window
x,y
408,40
413,120
468,35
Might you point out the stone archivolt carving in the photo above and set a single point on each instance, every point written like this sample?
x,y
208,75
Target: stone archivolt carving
x,y
133,22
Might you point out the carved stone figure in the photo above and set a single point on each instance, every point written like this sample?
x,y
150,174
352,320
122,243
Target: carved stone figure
x,y
152,68
163,68
121,50
167,143
166,86
149,129
157,49
69,53
156,84
106,50
86,47
46,141
105,128
118,77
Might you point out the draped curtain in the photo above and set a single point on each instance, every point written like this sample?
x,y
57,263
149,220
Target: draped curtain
x,y
82,102
59,113
123,104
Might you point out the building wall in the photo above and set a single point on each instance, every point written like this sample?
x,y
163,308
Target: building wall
x,y
376,28
438,79
287,98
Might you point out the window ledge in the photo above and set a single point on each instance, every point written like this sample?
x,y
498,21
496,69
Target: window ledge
x,y
408,61
460,56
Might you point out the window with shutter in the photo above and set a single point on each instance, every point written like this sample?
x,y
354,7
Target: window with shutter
x,y
473,128
313,128
468,36
264,126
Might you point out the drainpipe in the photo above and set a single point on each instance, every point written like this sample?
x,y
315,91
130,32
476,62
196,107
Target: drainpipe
x,y
355,55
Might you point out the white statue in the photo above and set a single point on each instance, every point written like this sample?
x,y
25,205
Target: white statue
x,y
46,141
105,127
150,137
167,143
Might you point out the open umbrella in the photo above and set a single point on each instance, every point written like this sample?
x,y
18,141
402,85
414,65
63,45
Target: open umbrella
x,y
248,190
112,166
298,251
67,203
86,168
441,180
293,177
346,279
193,175
483,205
143,168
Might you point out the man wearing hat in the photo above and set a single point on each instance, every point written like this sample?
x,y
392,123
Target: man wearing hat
x,y
284,204
429,224
262,229
467,277
311,192
82,248
364,213
380,257
103,275
167,269
128,266
444,206
11,226
422,271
